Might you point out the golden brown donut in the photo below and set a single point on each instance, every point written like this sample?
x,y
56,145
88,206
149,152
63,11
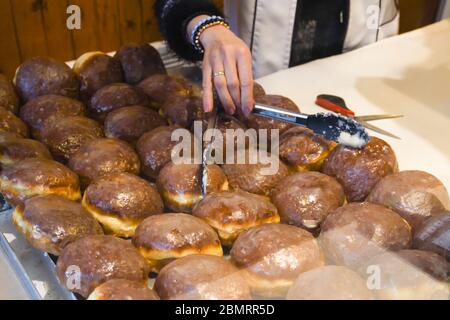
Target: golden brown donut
x,y
415,195
273,255
13,150
103,156
131,123
434,235
201,277
258,90
121,290
180,185
10,123
93,260
303,150
114,96
36,111
154,149
359,170
408,275
231,213
139,61
42,76
8,96
163,238
159,87
121,201
32,177
181,109
330,283
64,136
6,136
50,222
305,199
358,231
96,70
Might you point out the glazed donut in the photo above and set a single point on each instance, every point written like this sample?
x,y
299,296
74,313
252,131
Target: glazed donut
x,y
434,235
113,97
64,136
162,238
8,96
201,277
139,61
10,123
103,156
155,149
330,283
159,87
32,177
303,150
36,111
121,201
121,290
131,123
6,136
305,199
180,185
49,223
273,255
415,195
258,90
91,261
409,275
42,76
359,170
231,213
13,150
358,231
182,110
96,70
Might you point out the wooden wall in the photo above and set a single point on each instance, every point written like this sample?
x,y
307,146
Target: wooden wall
x,y
38,27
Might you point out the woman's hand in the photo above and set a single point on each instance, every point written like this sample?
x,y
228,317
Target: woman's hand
x,y
228,54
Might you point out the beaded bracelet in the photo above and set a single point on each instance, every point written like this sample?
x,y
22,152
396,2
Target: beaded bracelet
x,y
202,26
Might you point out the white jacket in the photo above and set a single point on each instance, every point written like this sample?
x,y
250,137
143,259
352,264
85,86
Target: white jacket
x,y
263,23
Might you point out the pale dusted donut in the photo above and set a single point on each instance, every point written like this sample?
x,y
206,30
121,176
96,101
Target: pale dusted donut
x,y
120,289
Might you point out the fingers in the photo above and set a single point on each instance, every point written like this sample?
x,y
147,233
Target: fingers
x,y
208,97
232,78
221,85
244,64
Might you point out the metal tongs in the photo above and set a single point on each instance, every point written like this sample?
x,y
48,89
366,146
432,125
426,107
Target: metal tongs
x,y
212,118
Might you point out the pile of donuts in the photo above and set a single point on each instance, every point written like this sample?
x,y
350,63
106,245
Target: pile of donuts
x,y
85,158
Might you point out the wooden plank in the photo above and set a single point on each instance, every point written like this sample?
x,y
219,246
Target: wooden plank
x,y
149,22
9,52
130,21
30,27
85,39
59,41
107,25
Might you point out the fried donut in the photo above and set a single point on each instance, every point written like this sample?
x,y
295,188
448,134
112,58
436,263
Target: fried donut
x,y
182,110
32,177
121,201
231,213
43,76
358,231
359,170
139,61
8,96
162,238
258,90
103,156
96,70
131,123
36,111
49,223
305,199
113,97
330,283
273,255
409,275
91,261
66,135
10,123
14,149
434,235
201,277
120,290
180,185
303,150
155,149
415,195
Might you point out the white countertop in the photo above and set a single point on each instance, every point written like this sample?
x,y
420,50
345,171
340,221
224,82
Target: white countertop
x,y
408,74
